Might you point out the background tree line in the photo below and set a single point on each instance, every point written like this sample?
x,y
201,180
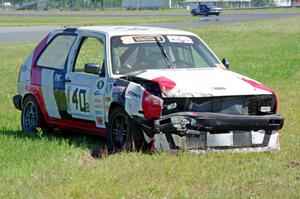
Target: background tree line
x,y
102,4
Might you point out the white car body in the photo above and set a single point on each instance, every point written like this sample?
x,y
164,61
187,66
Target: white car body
x,y
59,92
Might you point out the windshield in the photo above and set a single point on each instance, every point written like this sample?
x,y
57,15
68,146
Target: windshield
x,y
135,53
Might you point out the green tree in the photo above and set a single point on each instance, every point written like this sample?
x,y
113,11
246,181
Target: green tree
x,y
260,3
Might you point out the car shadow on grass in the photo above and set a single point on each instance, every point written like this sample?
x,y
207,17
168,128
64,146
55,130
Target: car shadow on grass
x,y
95,144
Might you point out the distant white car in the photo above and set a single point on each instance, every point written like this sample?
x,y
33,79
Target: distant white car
x,y
144,86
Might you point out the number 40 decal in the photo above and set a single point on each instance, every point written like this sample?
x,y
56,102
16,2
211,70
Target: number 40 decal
x,y
79,99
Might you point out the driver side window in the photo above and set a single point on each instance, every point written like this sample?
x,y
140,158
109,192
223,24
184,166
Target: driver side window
x,y
91,52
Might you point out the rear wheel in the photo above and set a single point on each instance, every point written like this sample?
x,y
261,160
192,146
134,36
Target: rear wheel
x,y
31,118
123,134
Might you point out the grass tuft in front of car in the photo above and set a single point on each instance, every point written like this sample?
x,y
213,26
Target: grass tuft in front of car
x,y
60,166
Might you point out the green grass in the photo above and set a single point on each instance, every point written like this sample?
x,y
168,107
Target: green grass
x,y
183,16
61,167
87,21
269,10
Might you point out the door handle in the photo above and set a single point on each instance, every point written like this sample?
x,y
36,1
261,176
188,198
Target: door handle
x,y
66,80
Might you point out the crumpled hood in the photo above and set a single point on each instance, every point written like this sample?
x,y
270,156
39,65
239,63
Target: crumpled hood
x,y
206,82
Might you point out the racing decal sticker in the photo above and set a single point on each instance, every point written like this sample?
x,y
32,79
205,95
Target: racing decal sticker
x,y
60,94
142,39
133,99
109,86
48,93
100,84
24,74
100,122
180,39
98,107
78,105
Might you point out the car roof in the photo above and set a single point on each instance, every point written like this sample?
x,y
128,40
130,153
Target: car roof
x,y
132,30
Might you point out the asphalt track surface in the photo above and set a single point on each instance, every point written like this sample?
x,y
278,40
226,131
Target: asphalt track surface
x,y
35,33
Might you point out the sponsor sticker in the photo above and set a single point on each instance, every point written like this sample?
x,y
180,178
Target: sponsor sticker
x,y
100,84
57,77
99,112
108,87
180,39
108,99
98,106
99,120
97,100
142,39
97,93
134,94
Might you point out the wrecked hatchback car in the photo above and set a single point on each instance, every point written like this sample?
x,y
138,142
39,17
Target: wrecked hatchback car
x,y
144,86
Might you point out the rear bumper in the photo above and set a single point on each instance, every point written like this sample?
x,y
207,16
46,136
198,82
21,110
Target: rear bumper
x,y
17,102
213,132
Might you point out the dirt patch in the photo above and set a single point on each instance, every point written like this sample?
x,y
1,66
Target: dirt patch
x,y
293,164
86,158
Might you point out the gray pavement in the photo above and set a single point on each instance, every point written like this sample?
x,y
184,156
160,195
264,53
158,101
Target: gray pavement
x,y
22,34
226,18
35,33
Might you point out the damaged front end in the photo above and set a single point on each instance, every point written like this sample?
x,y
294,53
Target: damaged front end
x,y
233,123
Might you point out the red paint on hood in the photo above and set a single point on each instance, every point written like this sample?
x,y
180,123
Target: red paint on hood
x,y
165,84
257,85
262,87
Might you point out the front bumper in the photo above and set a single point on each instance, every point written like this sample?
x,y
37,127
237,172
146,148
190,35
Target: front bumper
x,y
217,122
215,132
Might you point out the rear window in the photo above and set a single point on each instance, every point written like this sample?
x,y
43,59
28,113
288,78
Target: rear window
x,y
56,53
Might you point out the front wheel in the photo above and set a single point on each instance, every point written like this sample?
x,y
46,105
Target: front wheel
x,y
123,134
31,118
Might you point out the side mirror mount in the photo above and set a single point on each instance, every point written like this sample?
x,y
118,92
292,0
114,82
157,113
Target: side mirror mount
x,y
92,68
225,62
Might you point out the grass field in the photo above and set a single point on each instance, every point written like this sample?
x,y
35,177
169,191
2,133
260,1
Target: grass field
x,y
61,167
183,16
87,21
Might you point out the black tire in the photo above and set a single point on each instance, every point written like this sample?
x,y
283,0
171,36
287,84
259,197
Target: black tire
x,y
123,134
31,117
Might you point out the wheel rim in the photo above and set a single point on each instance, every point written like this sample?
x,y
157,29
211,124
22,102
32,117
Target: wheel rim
x,y
119,132
29,119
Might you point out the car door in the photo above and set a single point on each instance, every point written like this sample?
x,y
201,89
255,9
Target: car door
x,y
85,83
52,64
